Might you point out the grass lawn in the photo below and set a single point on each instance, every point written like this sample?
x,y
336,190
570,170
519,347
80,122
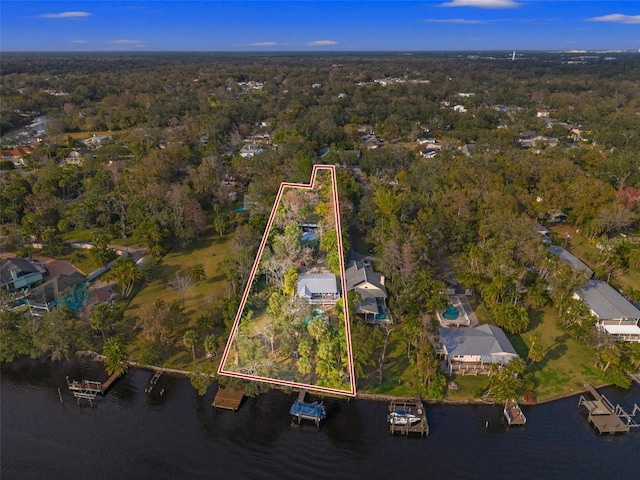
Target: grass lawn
x,y
567,365
396,376
210,251
468,385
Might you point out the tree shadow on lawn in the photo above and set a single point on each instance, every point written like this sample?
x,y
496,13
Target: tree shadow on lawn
x,y
216,278
555,351
536,318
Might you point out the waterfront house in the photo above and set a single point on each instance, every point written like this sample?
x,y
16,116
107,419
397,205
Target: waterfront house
x,y
615,314
318,288
17,273
475,350
370,286
71,290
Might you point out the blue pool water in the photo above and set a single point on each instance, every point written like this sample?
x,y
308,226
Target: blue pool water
x,y
451,313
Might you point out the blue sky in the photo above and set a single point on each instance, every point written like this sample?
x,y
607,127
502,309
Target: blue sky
x,y
319,25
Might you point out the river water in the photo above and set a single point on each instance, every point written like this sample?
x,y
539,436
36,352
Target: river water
x,y
131,434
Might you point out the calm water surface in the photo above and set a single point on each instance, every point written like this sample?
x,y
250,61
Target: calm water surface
x,y
131,434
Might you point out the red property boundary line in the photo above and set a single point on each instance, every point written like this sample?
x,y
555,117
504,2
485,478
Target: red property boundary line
x,y
236,323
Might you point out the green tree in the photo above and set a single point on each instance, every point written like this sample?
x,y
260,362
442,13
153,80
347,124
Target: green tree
x,y
506,382
125,271
202,378
115,352
147,352
536,349
304,365
15,337
101,253
290,281
59,335
197,274
317,328
190,340
210,343
104,316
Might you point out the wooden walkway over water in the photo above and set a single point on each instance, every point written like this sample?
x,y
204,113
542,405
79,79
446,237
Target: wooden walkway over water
x,y
606,418
89,389
228,398
414,408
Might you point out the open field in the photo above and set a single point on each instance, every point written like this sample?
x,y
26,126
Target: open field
x,y
210,251
567,365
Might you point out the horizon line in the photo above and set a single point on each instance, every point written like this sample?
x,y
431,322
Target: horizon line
x,y
546,50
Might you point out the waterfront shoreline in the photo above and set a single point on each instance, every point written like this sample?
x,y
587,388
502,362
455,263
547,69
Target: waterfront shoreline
x,y
360,395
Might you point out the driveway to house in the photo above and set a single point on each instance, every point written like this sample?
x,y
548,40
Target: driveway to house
x,y
453,283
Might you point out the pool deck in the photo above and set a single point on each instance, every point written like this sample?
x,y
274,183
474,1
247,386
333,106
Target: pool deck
x,y
466,319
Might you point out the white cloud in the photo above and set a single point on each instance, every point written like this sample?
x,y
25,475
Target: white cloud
x,y
482,3
262,44
65,15
617,18
79,42
125,42
460,21
322,43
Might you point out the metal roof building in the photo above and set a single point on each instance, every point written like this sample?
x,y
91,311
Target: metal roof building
x,y
485,344
605,302
571,259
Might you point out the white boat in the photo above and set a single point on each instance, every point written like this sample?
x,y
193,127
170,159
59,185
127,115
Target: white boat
x,y
402,417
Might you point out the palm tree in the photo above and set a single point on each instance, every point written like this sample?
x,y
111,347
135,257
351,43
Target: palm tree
x,y
197,274
115,352
303,365
536,350
634,257
125,271
190,339
210,343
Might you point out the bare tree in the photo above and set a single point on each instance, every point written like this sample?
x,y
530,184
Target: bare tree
x,y
182,283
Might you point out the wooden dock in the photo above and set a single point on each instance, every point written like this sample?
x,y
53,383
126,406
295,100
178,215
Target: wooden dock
x,y
606,418
89,389
513,413
107,385
414,408
228,399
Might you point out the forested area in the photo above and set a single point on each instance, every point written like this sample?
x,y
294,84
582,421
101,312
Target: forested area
x,y
171,171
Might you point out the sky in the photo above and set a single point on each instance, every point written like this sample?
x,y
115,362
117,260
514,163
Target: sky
x,y
260,25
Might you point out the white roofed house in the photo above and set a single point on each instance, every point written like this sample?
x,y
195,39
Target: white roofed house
x,y
318,288
475,350
251,150
95,141
616,315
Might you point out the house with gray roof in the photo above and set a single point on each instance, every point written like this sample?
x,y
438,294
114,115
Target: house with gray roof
x,y
318,288
616,315
476,349
571,259
71,290
18,273
370,286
